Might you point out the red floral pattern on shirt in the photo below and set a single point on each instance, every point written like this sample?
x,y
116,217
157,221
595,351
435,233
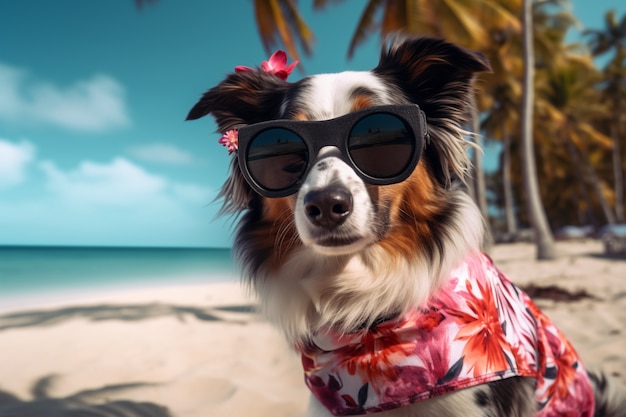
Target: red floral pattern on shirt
x,y
478,328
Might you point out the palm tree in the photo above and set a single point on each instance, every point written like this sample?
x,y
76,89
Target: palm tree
x,y
570,105
505,92
613,39
543,235
500,100
551,21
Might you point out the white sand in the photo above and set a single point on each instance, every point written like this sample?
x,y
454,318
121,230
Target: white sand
x,y
197,350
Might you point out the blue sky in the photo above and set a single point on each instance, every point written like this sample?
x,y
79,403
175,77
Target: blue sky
x,y
94,149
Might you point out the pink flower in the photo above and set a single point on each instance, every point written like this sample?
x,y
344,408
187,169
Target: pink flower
x,y
277,65
230,139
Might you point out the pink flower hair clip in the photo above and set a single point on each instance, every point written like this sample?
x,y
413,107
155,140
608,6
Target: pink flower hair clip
x,y
230,139
277,65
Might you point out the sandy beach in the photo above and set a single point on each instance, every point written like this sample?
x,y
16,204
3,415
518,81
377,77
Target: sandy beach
x,y
200,350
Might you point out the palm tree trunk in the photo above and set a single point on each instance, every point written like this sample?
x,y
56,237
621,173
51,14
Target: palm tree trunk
x,y
537,215
579,159
507,183
480,193
580,180
587,215
595,184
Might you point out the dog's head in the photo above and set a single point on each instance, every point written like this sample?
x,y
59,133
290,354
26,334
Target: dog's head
x,y
354,165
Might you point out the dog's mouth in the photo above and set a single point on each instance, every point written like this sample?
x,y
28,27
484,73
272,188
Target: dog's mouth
x,y
335,241
333,244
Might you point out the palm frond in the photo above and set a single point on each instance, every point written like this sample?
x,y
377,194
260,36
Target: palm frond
x,y
304,34
280,20
461,26
366,25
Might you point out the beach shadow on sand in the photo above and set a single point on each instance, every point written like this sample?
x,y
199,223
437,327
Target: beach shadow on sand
x,y
556,293
87,403
125,312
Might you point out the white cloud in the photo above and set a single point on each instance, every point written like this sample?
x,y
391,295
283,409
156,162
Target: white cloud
x,y
10,102
193,193
119,183
162,153
94,104
14,159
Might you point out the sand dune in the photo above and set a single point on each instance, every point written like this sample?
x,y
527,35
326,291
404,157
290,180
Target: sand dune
x,y
198,351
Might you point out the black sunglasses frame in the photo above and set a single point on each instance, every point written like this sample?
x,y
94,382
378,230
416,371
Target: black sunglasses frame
x,y
333,132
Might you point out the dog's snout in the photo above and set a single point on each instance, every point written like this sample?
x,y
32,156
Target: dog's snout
x,y
328,207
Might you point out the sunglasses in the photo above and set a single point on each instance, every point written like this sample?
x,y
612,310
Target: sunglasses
x,y
382,144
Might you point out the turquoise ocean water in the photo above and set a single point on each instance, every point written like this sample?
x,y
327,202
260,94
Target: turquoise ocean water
x,y
30,269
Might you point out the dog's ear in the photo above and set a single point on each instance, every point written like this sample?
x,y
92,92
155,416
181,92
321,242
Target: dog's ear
x,y
436,75
430,71
242,98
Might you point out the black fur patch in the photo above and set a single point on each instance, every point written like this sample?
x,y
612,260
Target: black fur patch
x,y
481,398
511,397
242,98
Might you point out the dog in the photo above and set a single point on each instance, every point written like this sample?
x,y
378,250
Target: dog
x,y
357,234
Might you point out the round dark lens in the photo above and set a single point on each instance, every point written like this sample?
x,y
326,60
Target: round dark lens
x,y
381,145
277,158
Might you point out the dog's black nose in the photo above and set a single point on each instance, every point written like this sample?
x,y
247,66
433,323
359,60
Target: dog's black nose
x,y
328,207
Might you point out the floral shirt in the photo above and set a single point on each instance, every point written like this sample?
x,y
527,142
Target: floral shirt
x,y
478,328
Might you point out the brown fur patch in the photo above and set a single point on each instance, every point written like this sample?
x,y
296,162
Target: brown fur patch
x,y
277,232
362,102
300,116
276,208
413,206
